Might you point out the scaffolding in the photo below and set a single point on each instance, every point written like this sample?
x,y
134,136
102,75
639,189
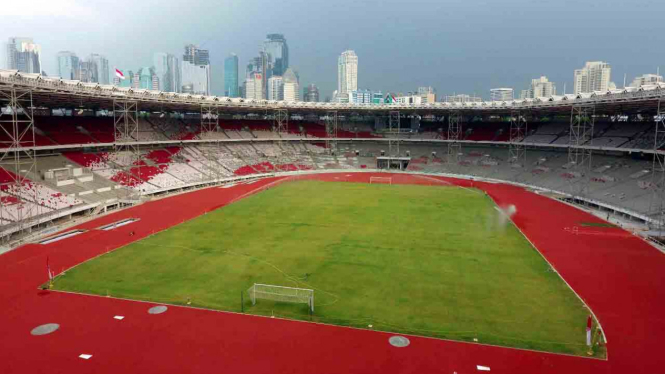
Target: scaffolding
x,y
582,119
331,132
394,128
18,158
126,146
454,136
516,146
657,208
209,118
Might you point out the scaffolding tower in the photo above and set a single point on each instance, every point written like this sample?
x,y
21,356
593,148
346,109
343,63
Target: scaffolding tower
x,y
18,158
331,132
454,136
657,208
394,128
518,131
126,147
582,119
209,118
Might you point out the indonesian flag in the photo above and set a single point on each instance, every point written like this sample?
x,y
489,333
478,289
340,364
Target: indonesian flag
x,y
588,331
119,74
48,270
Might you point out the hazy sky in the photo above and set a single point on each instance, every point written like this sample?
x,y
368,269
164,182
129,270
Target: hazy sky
x,y
456,46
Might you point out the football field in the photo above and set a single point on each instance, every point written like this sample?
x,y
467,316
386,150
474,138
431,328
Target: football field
x,y
423,260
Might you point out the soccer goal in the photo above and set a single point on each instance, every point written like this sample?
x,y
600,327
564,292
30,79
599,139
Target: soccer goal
x,y
283,294
383,180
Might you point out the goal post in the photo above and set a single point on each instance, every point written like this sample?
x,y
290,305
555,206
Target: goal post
x,y
282,294
382,180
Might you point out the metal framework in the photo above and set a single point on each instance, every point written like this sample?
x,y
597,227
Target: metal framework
x,y
657,207
331,131
582,119
209,118
454,136
518,131
394,127
18,157
125,146
281,121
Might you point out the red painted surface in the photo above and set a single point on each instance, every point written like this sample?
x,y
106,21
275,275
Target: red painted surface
x,y
619,276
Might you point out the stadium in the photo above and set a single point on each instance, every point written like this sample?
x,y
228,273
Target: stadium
x,y
156,232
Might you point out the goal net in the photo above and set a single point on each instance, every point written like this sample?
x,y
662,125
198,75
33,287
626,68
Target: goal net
x,y
384,180
282,294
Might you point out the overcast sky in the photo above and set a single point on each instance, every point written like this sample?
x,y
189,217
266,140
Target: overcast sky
x,y
456,46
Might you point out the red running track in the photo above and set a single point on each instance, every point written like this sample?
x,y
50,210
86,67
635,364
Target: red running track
x,y
620,277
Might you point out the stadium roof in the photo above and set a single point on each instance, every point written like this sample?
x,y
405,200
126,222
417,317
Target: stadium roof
x,y
63,93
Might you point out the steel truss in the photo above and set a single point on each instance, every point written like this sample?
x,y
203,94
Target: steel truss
x,y
125,147
657,207
209,118
18,157
518,131
394,127
331,132
454,136
582,119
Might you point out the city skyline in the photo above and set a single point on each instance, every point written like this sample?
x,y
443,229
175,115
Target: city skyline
x,y
452,62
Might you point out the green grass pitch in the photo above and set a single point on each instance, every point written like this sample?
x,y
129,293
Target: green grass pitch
x,y
432,261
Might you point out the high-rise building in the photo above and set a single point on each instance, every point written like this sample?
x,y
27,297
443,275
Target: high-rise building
x,y
347,73
646,79
311,94
594,76
540,87
99,67
291,85
167,69
86,71
68,65
254,86
462,98
231,76
195,70
427,94
24,55
501,94
277,55
276,88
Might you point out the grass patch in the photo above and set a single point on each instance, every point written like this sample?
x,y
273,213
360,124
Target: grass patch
x,y
432,261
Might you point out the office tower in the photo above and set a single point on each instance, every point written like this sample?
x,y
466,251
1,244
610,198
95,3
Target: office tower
x,y
311,94
195,70
291,85
24,55
254,86
275,88
68,65
231,76
540,87
347,73
167,70
99,69
594,76
501,94
277,54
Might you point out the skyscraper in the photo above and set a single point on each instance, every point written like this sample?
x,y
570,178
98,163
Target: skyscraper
x,y
277,54
68,65
311,94
291,85
196,70
347,73
167,70
540,87
24,55
231,76
254,86
99,67
594,76
275,88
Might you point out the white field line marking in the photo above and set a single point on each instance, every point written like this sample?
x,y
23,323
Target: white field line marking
x,y
482,368
85,356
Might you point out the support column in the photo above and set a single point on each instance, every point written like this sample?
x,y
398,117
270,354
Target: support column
x,y
454,136
18,157
394,128
579,155
125,146
518,131
331,132
657,206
